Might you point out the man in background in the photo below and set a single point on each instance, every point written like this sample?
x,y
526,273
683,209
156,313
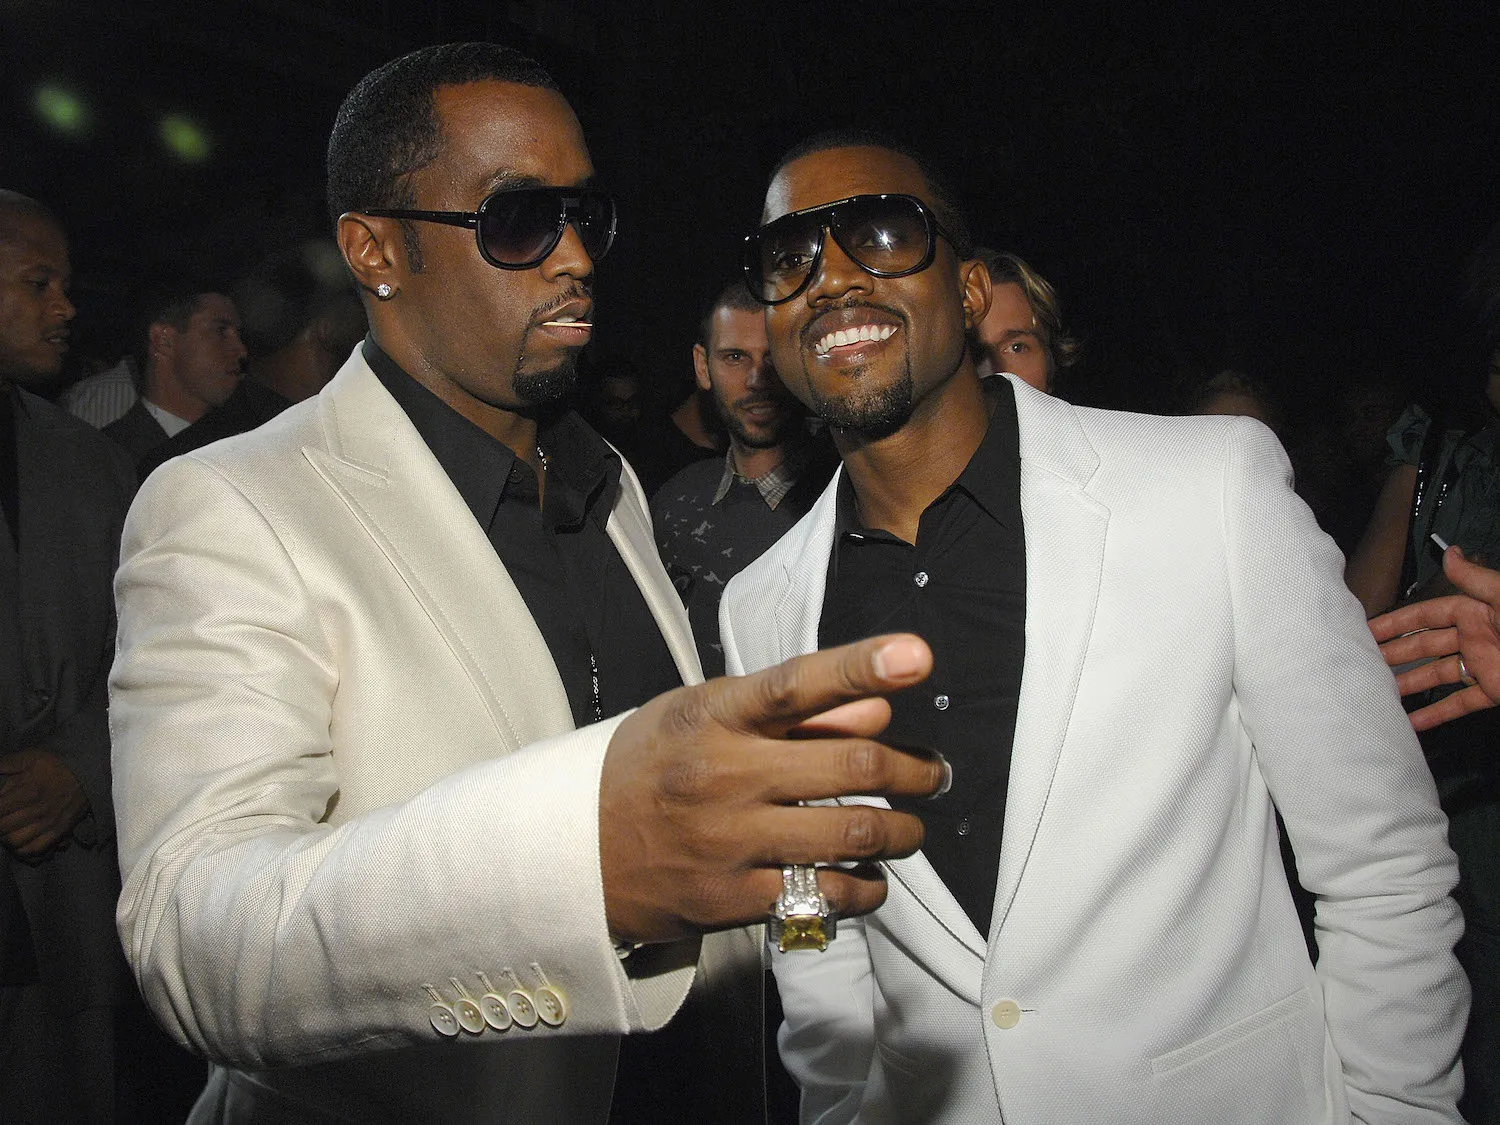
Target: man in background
x,y
194,360
716,517
64,489
1023,331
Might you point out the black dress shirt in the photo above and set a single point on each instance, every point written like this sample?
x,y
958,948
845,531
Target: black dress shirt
x,y
580,593
962,588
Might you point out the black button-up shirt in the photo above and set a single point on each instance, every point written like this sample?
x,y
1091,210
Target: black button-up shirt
x,y
580,593
962,588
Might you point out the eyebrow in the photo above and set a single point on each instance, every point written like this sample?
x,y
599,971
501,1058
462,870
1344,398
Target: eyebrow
x,y
516,181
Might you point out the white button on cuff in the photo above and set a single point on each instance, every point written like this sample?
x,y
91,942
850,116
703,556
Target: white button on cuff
x,y
940,702
470,1015
440,1014
1006,1014
920,578
496,1014
519,1001
551,1005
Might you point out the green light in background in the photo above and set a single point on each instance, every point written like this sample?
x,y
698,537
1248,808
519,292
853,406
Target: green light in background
x,y
62,110
185,139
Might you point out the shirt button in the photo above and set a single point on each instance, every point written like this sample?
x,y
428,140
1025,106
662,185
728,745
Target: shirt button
x,y
963,827
920,578
1006,1014
940,702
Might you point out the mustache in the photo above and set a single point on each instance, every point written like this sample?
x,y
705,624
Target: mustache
x,y
583,289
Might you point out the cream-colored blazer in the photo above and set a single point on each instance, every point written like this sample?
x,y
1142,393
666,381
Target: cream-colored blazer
x,y
1191,656
351,797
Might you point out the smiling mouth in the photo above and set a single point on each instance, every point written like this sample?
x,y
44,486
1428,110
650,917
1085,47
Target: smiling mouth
x,y
843,337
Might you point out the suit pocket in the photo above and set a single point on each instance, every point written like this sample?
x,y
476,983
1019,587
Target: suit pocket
x,y
895,1060
1236,1034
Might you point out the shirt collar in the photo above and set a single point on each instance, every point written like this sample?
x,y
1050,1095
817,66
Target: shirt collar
x,y
992,477
773,486
583,473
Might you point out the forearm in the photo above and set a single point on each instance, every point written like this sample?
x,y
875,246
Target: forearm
x,y
1374,569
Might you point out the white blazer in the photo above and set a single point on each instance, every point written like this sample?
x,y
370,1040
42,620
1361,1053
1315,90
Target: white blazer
x,y
1191,656
349,783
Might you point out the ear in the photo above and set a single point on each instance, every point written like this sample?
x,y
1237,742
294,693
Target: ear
x,y
974,276
373,249
162,339
700,367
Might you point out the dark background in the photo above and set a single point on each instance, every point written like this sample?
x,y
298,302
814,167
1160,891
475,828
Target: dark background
x,y
1292,189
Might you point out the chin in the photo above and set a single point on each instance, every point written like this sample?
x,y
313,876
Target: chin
x,y
547,386
875,413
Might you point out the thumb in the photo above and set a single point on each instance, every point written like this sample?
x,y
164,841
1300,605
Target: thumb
x,y
1477,581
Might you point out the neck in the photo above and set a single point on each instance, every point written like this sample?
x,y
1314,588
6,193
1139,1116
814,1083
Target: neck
x,y
897,476
164,391
513,429
751,463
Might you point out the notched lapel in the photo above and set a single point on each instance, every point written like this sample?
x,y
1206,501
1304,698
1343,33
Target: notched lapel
x,y
378,464
1065,539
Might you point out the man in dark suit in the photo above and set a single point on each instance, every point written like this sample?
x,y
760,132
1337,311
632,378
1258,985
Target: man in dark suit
x,y
64,490
194,360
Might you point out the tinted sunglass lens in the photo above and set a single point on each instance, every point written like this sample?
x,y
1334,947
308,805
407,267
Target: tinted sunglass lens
x,y
520,227
785,254
595,218
887,236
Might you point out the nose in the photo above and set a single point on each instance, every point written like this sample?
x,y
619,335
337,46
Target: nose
x,y
568,257
63,305
238,349
762,373
836,273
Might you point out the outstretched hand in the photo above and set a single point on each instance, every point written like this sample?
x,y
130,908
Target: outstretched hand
x,y
1441,631
698,802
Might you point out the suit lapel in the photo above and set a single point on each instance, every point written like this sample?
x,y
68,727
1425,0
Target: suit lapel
x,y
1065,538
381,468
629,529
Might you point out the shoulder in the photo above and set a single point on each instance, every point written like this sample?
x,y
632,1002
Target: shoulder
x,y
86,449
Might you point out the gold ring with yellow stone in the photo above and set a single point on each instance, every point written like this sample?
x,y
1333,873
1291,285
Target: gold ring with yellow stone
x,y
801,917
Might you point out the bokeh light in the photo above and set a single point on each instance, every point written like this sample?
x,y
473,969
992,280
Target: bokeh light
x,y
185,138
61,110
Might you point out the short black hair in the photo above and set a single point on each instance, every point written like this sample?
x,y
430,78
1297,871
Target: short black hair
x,y
15,207
173,304
735,295
944,199
387,128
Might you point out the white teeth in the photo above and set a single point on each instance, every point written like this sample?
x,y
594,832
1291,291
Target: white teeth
x,y
564,319
844,336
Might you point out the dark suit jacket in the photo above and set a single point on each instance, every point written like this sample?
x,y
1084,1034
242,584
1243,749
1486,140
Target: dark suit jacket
x,y
136,431
56,643
251,405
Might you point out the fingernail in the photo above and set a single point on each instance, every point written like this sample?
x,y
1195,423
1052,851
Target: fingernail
x,y
947,780
898,660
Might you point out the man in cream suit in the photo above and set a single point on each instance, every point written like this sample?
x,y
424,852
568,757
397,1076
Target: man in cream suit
x,y
382,860
1141,643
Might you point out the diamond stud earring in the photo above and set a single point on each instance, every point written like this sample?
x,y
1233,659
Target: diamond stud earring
x,y
384,291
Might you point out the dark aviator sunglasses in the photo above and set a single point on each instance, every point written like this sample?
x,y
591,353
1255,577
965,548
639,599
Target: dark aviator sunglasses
x,y
517,228
885,235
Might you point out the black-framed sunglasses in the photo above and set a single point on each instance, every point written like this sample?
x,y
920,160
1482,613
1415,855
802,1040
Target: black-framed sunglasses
x,y
517,228
885,235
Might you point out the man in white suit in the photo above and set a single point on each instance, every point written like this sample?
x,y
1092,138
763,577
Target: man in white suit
x,y
1142,648
383,861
